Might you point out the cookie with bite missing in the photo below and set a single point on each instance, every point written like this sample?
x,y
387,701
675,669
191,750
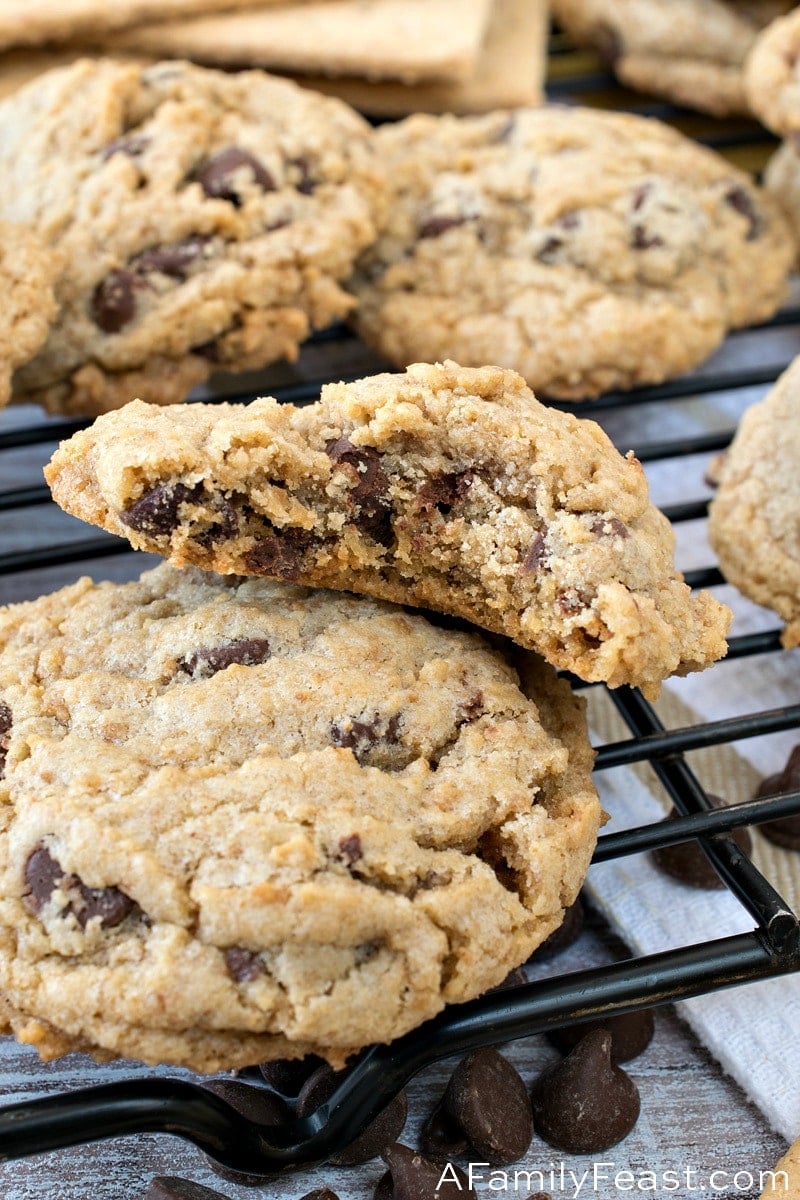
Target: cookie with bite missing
x,y
204,221
448,488
243,820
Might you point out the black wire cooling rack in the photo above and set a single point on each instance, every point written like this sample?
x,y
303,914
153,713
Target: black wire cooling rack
x,y
770,948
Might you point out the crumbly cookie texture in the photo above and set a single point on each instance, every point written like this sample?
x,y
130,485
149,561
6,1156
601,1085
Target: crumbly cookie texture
x,y
203,220
587,250
448,488
27,271
243,820
785,1179
773,75
691,51
753,517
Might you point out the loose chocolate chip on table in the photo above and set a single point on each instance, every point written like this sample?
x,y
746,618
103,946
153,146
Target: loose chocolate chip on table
x,y
114,300
281,553
631,1034
246,652
219,174
243,967
488,1099
786,831
687,862
254,1103
287,1075
380,1133
156,511
320,1194
44,874
434,227
363,735
442,1138
171,260
170,1187
318,1088
585,1104
413,1177
568,932
742,202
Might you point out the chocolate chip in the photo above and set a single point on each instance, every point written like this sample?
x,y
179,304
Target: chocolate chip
x,y
306,183
170,1187
414,1177
383,1188
443,491
253,1102
536,554
156,511
243,967
114,301
350,849
174,260
585,1104
362,735
287,1075
379,1134
631,1034
548,251
688,863
742,202
568,932
281,553
487,1098
219,174
317,1089
442,1138
322,1193
434,227
640,194
370,496
225,523
45,875
609,527
786,831
608,44
246,652
471,708
569,601
5,730
642,240
133,145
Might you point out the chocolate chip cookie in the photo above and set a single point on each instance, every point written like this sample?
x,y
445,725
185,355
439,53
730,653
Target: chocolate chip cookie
x,y
448,488
691,51
27,271
753,522
587,250
242,820
205,220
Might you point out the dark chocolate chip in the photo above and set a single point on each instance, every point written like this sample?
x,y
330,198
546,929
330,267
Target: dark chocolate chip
x,y
218,175
5,730
549,249
317,1089
609,527
322,1193
370,496
568,932
688,863
471,708
487,1098
132,144
44,875
642,240
253,1102
156,511
224,525
434,227
362,735
640,194
114,301
281,553
170,1187
742,202
109,904
442,1138
383,1188
585,1104
443,491
786,831
414,1177
246,652
287,1075
631,1034
174,261
380,1133
306,183
243,967
350,849
608,44
536,553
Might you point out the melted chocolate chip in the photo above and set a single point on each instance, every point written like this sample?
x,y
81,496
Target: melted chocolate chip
x,y
443,491
174,261
442,1138
247,652
379,1134
44,875
350,849
133,145
370,496
156,511
742,202
225,525
536,554
568,932
287,1075
5,729
609,527
243,967
786,831
361,736
631,1034
281,553
171,1187
487,1098
413,1177
114,301
434,227
219,175
585,1104
688,863
642,240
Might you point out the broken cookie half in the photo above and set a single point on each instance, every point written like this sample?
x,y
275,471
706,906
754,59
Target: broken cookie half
x,y
445,487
